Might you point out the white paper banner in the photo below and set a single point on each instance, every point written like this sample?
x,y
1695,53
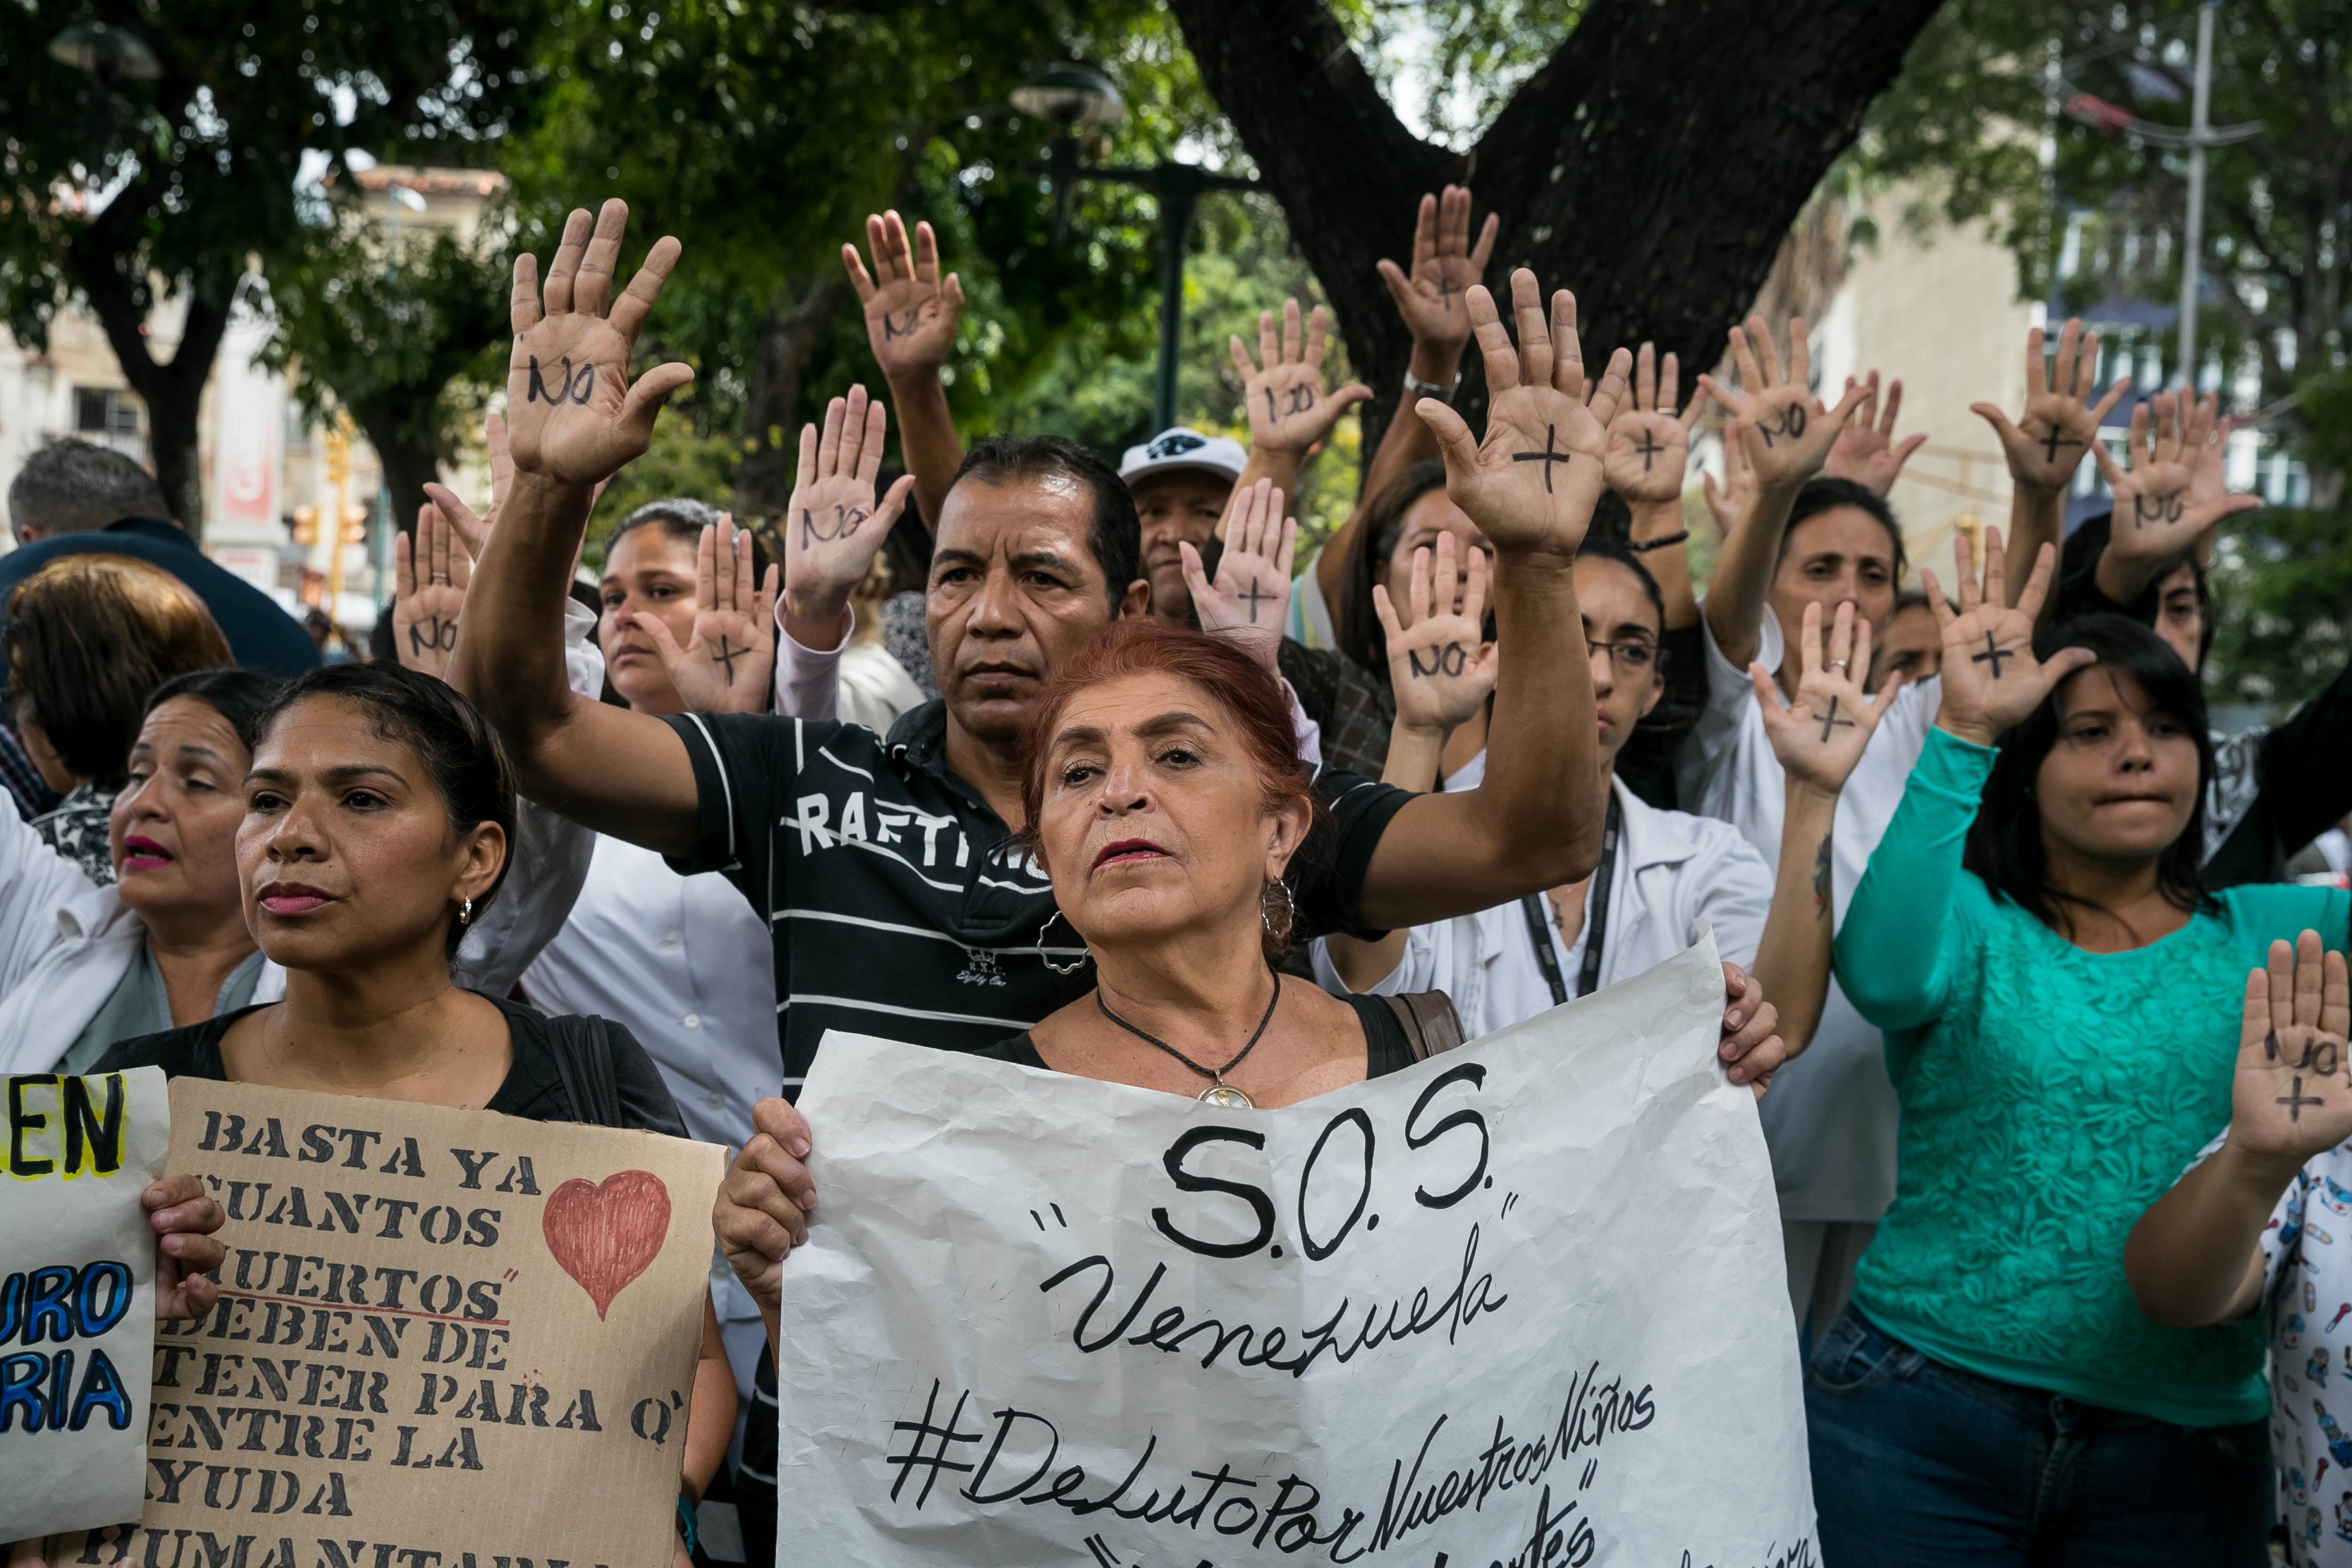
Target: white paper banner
x,y
1524,1304
77,1296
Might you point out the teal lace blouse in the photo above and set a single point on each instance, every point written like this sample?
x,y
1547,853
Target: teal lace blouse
x,y
2049,1096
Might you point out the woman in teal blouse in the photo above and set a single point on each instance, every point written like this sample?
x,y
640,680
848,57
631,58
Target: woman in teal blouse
x,y
2061,1000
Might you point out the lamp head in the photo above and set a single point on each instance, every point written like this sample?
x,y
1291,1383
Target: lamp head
x,y
1069,95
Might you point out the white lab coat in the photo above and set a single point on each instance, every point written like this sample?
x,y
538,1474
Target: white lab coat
x,y
1673,871
67,942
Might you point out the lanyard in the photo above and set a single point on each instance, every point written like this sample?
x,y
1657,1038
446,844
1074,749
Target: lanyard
x,y
1595,928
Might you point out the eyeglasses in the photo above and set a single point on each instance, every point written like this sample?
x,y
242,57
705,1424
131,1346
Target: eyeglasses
x,y
1631,657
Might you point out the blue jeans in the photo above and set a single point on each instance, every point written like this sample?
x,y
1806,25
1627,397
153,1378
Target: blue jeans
x,y
1917,1464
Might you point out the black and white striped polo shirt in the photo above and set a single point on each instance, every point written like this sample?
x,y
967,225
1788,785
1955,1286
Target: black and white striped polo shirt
x,y
895,901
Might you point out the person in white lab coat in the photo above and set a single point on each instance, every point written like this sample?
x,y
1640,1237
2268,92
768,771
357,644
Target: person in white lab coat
x,y
1662,873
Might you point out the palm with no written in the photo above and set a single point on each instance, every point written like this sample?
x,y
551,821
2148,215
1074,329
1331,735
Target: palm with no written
x,y
1786,433
573,414
2292,1095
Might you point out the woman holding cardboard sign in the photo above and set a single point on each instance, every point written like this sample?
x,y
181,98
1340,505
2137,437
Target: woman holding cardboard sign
x,y
378,813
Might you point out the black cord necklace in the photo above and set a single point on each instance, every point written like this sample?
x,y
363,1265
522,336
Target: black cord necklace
x,y
1219,1092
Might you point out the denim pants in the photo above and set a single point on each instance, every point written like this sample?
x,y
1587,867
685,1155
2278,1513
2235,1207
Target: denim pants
x,y
1917,1464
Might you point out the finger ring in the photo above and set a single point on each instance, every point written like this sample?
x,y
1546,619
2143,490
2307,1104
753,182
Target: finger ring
x,y
440,576
1836,664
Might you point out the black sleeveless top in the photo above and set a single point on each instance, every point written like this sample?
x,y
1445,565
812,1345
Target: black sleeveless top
x,y
564,1069
1386,1050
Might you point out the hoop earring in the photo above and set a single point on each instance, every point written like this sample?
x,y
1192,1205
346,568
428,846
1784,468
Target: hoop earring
x,y
1047,959
466,914
1278,928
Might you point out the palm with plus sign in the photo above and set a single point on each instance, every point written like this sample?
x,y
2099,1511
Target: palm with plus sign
x,y
1649,443
1991,676
2059,422
1531,482
1250,600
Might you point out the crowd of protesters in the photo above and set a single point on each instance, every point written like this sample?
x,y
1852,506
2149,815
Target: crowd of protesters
x,y
2013,961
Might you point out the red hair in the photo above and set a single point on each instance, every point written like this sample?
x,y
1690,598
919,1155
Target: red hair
x,y
1222,672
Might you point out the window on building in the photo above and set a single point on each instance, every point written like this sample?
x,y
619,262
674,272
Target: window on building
x,y
100,412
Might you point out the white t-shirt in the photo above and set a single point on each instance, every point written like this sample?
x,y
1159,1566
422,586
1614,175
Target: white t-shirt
x,y
1830,1117
2307,1296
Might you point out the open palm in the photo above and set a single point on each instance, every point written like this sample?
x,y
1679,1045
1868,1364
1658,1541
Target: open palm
x,y
431,570
1434,297
1250,600
1786,433
1649,443
910,310
1440,666
728,665
573,415
2291,1097
1531,482
1991,677
1866,451
2060,422
833,526
1283,391
1821,735
2161,508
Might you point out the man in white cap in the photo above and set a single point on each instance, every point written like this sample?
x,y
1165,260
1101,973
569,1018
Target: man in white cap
x,y
1180,481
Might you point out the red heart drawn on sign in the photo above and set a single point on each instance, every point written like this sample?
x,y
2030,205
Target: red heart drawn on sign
x,y
606,1235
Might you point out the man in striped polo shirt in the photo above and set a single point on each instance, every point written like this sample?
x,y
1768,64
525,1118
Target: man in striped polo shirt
x,y
882,866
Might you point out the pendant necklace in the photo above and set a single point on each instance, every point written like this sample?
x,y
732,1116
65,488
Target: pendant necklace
x,y
1219,1094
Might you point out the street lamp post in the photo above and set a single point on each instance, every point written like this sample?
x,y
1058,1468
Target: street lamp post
x,y
1075,94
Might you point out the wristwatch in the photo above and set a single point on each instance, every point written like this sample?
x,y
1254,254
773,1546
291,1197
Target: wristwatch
x,y
1421,388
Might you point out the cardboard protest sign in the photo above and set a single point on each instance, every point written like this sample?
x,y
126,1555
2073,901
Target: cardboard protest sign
x,y
446,1339
1524,1303
77,1296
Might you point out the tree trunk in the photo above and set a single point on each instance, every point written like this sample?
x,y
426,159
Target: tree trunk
x,y
1653,164
410,461
788,334
173,391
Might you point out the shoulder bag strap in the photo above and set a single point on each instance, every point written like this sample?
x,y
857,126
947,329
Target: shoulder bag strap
x,y
1429,1021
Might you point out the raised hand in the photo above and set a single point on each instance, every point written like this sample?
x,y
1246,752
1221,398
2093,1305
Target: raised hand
x,y
1283,389
430,570
1991,677
728,662
1440,667
1785,430
1531,482
833,527
2060,422
910,310
1820,736
2292,1095
1649,443
1865,450
1727,500
2161,508
1250,600
573,415
1435,297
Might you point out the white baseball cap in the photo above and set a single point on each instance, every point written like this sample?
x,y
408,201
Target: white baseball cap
x,y
1183,448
